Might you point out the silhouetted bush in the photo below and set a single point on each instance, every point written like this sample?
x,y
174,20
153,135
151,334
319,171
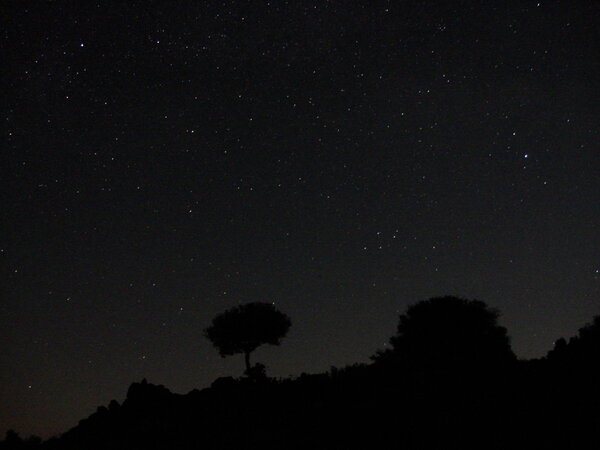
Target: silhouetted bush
x,y
448,332
13,441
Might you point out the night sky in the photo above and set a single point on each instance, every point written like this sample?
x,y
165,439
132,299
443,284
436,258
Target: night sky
x,y
164,161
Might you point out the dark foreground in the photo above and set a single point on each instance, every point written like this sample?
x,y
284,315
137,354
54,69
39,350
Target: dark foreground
x,y
531,405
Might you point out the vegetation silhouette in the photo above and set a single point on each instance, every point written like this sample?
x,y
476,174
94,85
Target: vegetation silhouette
x,y
581,350
447,331
243,328
12,440
449,381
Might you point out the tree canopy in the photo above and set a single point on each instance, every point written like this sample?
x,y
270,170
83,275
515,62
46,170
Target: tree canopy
x,y
581,349
446,331
243,328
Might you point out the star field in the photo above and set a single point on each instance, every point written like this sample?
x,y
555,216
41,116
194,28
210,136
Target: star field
x,y
163,161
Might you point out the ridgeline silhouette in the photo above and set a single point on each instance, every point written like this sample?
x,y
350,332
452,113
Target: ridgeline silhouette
x,y
450,380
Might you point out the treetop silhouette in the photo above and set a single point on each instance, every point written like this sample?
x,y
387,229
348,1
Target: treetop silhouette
x,y
581,349
243,328
448,331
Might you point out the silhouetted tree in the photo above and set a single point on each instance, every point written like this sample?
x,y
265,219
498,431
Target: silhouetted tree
x,y
245,327
448,331
12,440
583,349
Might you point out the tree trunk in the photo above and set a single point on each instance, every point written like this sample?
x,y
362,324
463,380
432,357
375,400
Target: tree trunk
x,y
247,360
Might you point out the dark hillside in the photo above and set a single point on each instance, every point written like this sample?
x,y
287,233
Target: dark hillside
x,y
529,405
455,385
